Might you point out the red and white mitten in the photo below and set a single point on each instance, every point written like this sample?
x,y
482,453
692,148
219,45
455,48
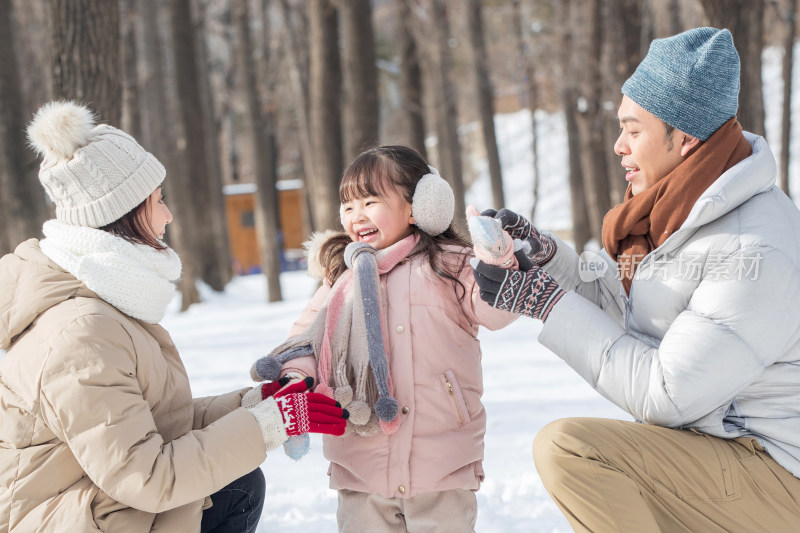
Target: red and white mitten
x,y
294,411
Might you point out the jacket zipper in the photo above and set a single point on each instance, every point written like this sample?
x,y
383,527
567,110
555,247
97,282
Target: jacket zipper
x,y
452,394
651,253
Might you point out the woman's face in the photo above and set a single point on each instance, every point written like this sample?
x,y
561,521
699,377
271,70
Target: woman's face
x,y
158,214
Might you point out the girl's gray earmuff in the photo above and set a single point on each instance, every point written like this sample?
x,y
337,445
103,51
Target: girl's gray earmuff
x,y
433,204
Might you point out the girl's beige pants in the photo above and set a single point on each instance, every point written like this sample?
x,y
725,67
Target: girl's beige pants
x,y
449,511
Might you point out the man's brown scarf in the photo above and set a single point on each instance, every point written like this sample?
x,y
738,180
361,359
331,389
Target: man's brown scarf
x,y
642,223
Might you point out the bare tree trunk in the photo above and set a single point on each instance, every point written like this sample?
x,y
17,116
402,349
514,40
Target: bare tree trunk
x,y
528,92
410,80
648,30
217,269
267,76
131,118
169,145
444,98
234,149
485,94
325,118
581,231
22,204
675,26
147,48
744,19
590,114
262,163
192,109
361,74
85,43
225,122
621,56
33,52
297,54
6,246
788,62
581,227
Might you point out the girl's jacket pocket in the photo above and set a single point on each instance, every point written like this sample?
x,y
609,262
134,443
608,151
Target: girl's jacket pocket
x,y
455,397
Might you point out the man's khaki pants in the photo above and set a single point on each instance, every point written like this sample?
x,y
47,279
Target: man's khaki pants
x,y
610,475
448,511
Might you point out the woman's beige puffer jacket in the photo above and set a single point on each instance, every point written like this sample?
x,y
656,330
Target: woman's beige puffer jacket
x,y
98,427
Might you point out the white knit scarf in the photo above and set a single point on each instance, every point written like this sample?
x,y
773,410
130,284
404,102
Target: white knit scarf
x,y
134,278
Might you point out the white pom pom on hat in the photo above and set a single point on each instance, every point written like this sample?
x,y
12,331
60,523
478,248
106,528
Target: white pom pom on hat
x,y
94,174
433,204
60,128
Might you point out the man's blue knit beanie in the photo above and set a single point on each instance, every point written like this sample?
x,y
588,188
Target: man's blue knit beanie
x,y
690,81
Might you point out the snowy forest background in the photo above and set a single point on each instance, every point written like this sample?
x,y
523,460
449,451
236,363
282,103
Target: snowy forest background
x,y
513,100
270,92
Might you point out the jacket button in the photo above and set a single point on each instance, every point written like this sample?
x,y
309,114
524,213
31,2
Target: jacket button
x,y
400,329
406,410
401,489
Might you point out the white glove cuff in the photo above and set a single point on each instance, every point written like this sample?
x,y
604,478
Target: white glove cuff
x,y
270,420
251,397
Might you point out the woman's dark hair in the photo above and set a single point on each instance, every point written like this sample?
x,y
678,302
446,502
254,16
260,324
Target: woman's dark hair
x,y
134,227
374,173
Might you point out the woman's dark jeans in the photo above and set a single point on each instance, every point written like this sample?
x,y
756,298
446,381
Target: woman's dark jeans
x,y
237,507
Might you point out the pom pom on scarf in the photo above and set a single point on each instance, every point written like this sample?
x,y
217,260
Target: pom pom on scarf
x,y
386,408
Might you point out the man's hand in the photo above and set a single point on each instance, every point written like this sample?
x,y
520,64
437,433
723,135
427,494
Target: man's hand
x,y
543,247
530,292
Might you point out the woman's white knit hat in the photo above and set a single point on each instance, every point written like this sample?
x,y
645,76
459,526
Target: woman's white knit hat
x,y
94,174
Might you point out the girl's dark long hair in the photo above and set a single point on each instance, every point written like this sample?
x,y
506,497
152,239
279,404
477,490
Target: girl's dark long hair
x,y
374,173
134,227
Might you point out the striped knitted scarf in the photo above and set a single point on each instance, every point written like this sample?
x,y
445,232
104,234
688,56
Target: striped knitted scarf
x,y
347,337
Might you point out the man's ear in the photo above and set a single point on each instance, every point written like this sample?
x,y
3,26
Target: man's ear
x,y
688,144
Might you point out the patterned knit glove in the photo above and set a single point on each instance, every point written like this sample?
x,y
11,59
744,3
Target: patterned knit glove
x,y
294,411
543,247
529,291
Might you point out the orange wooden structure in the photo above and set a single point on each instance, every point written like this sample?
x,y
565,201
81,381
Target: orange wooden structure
x,y
240,212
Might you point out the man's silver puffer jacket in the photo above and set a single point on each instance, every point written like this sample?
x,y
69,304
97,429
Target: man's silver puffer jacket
x,y
710,336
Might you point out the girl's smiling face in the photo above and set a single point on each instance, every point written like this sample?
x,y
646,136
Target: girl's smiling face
x,y
379,220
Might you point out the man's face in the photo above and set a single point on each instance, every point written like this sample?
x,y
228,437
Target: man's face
x,y
648,154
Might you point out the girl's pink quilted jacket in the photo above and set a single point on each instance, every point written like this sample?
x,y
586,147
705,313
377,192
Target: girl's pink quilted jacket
x,y
435,365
